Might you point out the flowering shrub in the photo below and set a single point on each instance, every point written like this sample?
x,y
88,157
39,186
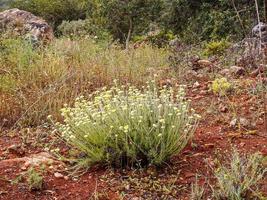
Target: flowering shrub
x,y
125,125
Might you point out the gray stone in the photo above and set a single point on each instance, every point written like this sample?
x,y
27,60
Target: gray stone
x,y
23,23
260,31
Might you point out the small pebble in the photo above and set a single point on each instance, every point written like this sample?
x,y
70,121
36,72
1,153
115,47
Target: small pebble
x,y
58,175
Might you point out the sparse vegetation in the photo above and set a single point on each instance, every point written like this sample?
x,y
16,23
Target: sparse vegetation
x,y
37,82
221,86
240,179
197,192
34,179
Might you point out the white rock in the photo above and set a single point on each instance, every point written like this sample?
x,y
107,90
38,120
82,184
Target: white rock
x,y
233,123
58,175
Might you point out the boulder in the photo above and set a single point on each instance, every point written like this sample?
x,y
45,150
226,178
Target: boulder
x,y
23,23
260,32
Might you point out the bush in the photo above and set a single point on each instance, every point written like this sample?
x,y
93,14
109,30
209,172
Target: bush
x,y
221,86
80,28
239,180
16,54
55,11
34,179
160,39
125,126
216,47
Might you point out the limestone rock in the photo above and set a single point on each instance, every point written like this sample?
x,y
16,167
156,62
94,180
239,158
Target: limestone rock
x,y
260,31
35,160
198,63
237,71
58,175
23,23
225,72
244,122
204,63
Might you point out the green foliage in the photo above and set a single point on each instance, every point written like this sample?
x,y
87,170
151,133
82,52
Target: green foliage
x,y
80,28
192,21
160,39
74,28
239,180
16,55
55,11
4,4
125,126
221,86
198,20
34,179
132,16
7,83
216,47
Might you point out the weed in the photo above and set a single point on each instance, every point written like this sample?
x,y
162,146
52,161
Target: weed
x,y
34,179
197,191
221,86
239,180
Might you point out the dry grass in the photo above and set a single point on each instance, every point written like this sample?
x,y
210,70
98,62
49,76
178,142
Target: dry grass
x,y
36,82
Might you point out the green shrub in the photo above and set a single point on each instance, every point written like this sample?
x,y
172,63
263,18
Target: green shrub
x,y
55,11
125,126
80,28
16,54
221,86
7,83
34,179
160,39
216,47
239,180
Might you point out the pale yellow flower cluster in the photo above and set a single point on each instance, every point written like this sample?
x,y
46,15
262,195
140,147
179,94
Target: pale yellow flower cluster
x,y
127,113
